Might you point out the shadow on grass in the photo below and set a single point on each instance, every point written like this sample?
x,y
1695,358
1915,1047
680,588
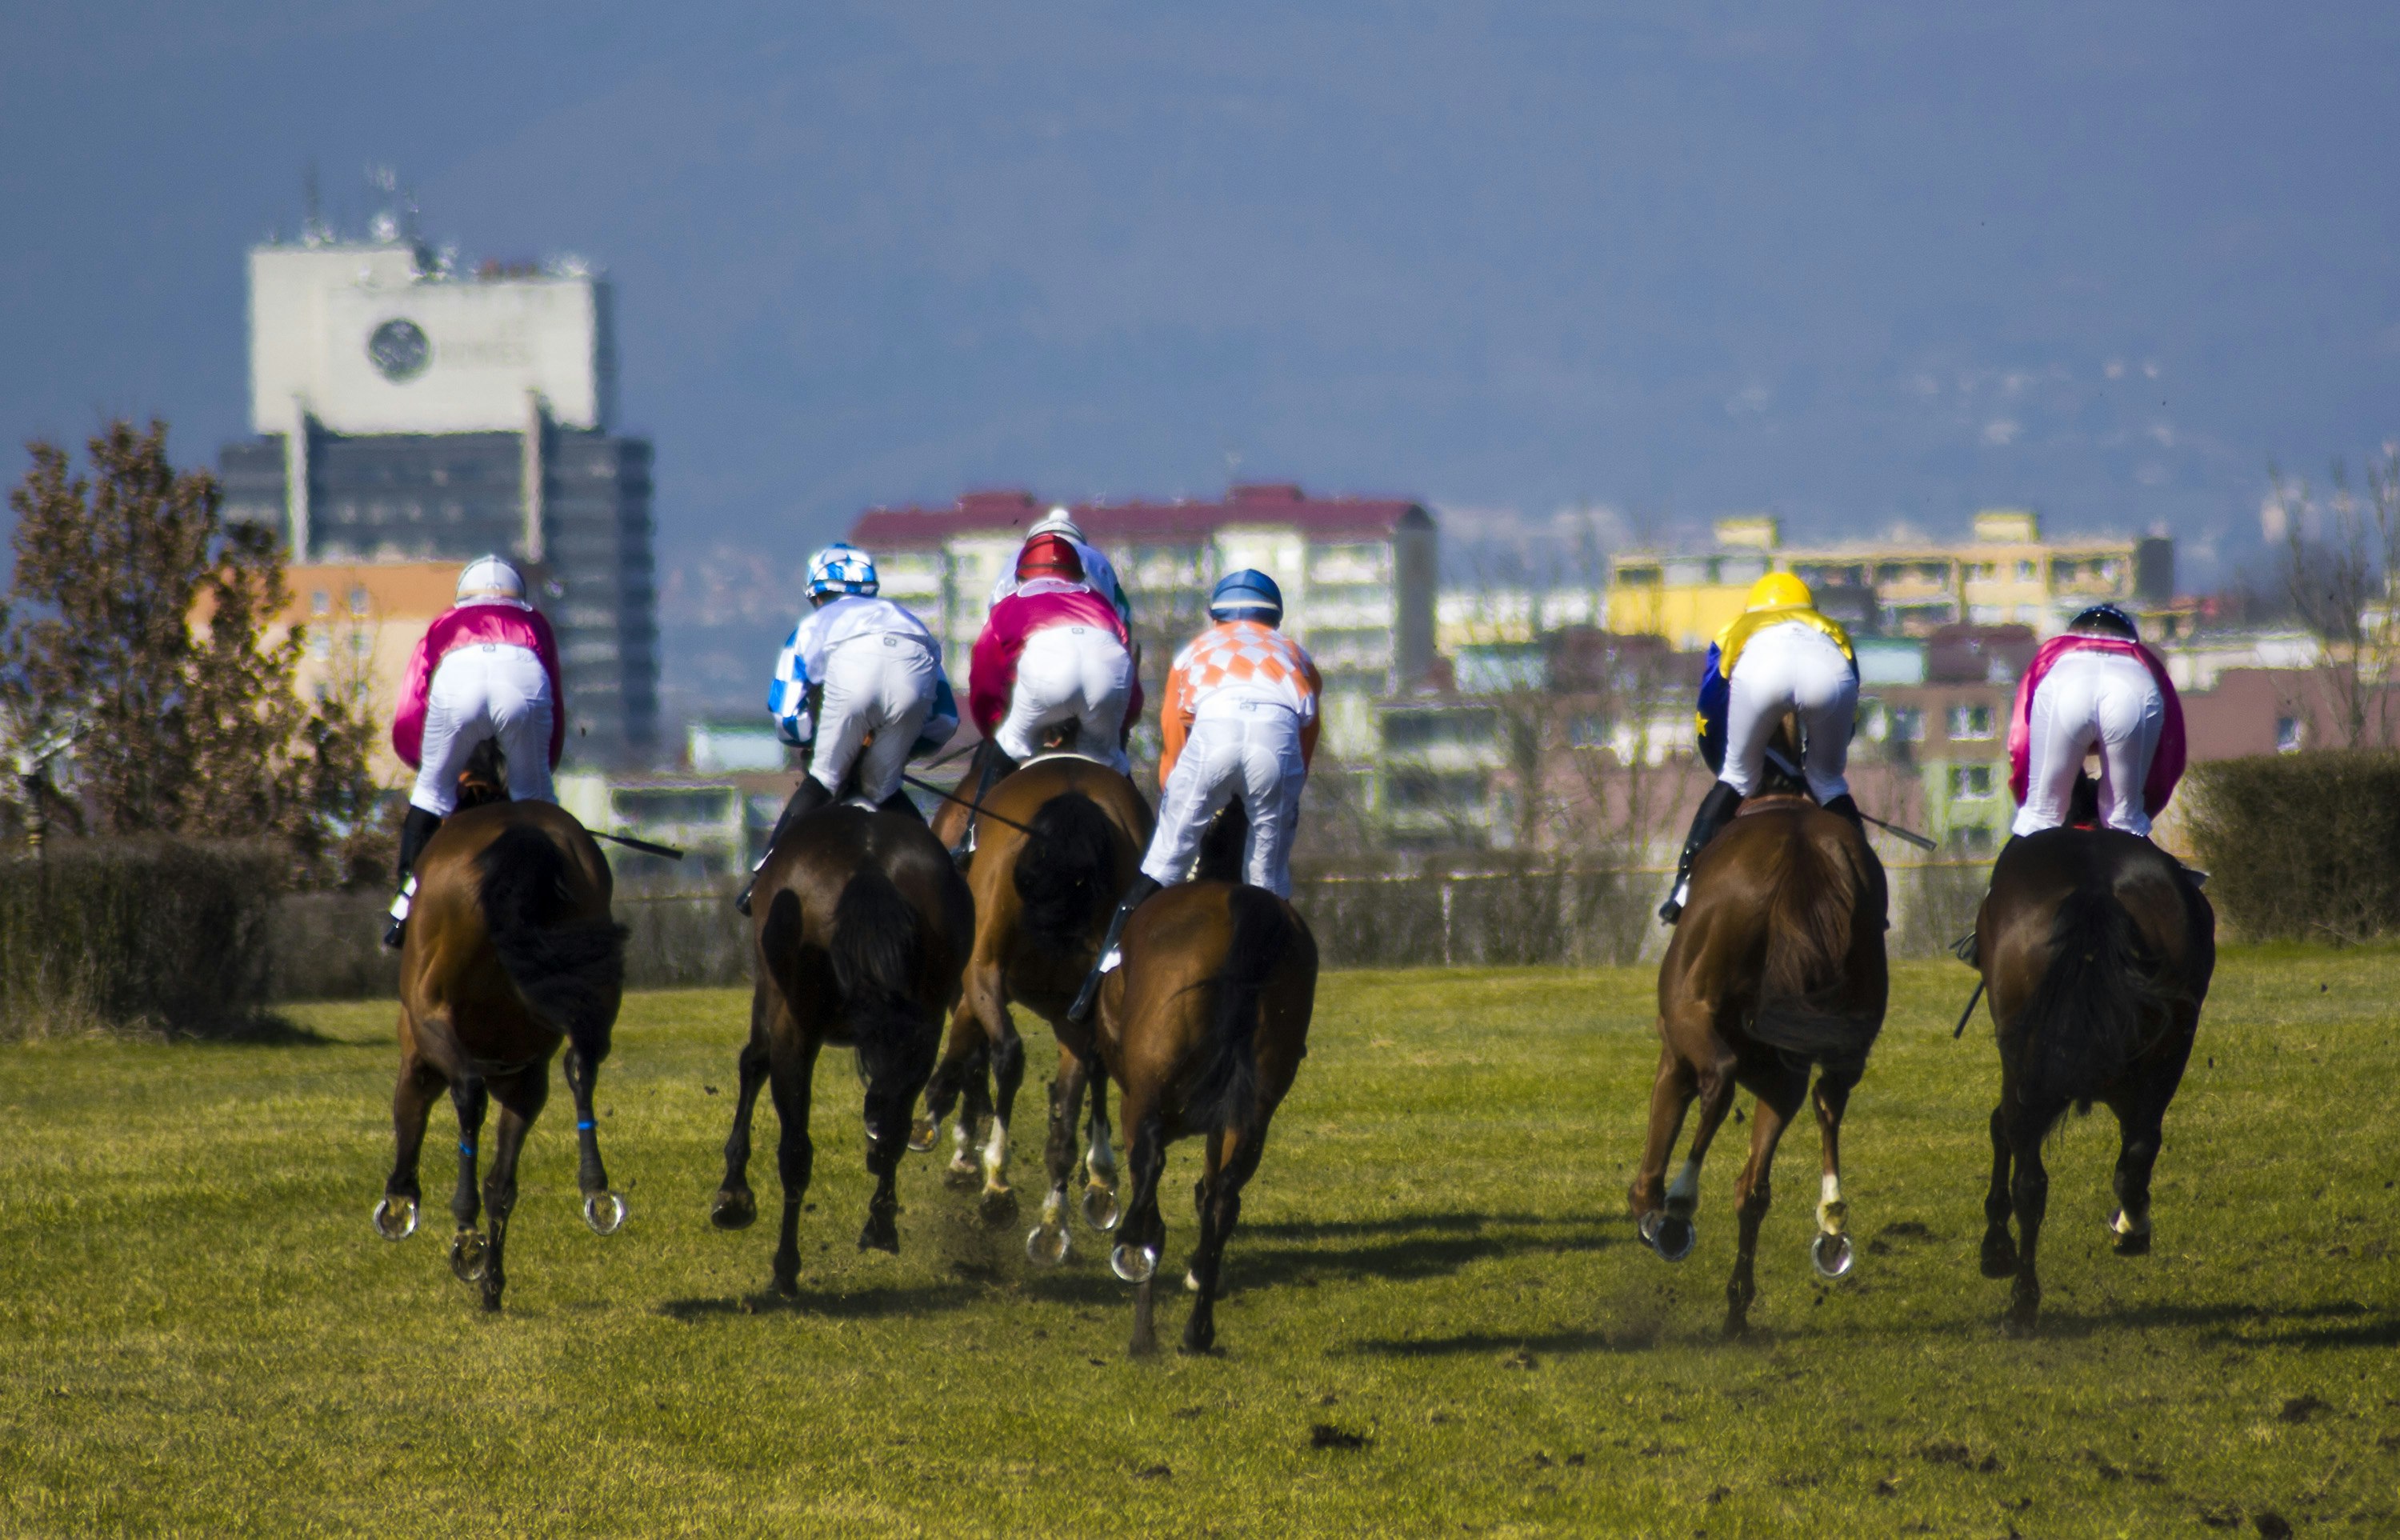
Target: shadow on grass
x,y
270,1029
1479,1343
2339,1323
872,1303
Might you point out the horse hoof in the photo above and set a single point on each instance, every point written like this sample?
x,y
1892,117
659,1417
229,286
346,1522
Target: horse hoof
x,y
1047,1246
1101,1210
922,1133
787,1285
881,1234
2134,1243
1999,1258
1670,1235
1832,1257
467,1257
999,1207
1191,1281
604,1212
395,1221
734,1209
1134,1264
962,1175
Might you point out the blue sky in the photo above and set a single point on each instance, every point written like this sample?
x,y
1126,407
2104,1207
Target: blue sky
x,y
1854,265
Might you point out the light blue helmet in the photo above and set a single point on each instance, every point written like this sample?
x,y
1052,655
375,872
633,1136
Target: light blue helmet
x,y
843,569
1249,594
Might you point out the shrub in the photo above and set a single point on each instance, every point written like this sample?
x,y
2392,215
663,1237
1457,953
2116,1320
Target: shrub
x,y
149,935
2301,846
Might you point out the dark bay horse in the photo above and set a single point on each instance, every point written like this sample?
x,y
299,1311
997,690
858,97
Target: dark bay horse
x,y
1043,899
1202,1029
510,950
1777,964
2095,948
861,926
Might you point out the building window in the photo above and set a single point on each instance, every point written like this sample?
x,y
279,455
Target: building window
x,y
1424,791
1970,723
1970,782
2024,572
320,603
358,601
1907,724
2287,735
1971,839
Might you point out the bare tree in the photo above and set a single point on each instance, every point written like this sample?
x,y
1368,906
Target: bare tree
x,y
2345,585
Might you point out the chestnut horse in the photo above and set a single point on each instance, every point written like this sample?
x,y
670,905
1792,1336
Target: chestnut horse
x,y
860,927
510,950
1062,838
1777,964
1203,1027
2096,948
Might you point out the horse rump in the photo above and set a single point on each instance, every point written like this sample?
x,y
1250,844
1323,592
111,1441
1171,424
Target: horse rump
x,y
1064,870
877,940
1225,1092
2102,1003
1804,1004
570,973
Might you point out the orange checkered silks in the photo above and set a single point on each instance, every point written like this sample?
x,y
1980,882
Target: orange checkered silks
x,y
1245,657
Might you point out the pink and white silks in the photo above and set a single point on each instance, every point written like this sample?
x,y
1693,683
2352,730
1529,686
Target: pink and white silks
x,y
2087,692
486,669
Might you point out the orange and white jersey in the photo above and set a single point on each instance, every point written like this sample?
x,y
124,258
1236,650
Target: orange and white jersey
x,y
1235,666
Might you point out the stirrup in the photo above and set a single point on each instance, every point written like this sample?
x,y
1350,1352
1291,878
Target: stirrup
x,y
1673,910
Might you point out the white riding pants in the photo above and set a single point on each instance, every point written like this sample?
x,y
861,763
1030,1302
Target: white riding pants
x,y
2090,700
484,690
1795,668
883,683
1078,674
1245,748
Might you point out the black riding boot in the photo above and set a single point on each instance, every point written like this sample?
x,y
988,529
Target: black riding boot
x,y
1849,809
1716,812
995,765
807,798
1143,886
415,830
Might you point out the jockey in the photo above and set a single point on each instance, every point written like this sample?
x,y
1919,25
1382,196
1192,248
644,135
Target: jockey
x,y
1239,719
1778,655
2095,685
856,667
1097,570
485,669
1053,650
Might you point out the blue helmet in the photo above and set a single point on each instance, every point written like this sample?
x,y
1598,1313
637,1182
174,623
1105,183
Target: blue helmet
x,y
2109,617
1249,594
843,569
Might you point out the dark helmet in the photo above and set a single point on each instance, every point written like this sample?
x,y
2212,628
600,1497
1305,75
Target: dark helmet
x,y
1249,594
2106,617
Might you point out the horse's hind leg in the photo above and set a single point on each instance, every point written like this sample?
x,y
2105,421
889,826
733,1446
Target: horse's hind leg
x,y
469,1095
2141,1124
734,1207
1051,1241
412,1102
791,1067
1831,1253
521,1097
1101,1210
888,1097
941,1092
1666,1225
2030,1192
1135,1260
604,1209
1777,1106
1233,1158
1999,1257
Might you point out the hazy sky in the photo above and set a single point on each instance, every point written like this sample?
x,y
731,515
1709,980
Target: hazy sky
x,y
1852,265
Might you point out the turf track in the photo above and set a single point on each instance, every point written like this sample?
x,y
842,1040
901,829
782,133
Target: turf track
x,y
199,1334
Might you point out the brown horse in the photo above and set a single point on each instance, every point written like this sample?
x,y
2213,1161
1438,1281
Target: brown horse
x,y
510,950
861,928
1777,964
2096,948
1203,1027
1062,838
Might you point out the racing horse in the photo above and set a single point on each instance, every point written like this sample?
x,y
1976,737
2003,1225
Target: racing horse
x,y
2096,949
860,929
510,950
1777,964
1203,1027
1063,836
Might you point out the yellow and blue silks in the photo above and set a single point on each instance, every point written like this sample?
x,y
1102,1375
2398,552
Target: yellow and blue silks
x,y
1716,683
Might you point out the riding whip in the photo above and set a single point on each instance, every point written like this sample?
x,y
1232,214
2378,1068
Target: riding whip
x,y
1910,836
976,808
1969,1015
642,845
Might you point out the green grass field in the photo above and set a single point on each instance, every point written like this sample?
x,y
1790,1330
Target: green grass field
x,y
199,1334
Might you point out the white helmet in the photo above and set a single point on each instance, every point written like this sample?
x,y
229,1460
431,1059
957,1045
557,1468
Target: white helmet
x,y
841,567
1058,522
490,578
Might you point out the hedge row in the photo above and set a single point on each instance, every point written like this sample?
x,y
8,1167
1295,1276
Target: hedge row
x,y
2301,846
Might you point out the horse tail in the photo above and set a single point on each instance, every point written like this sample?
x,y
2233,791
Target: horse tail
x,y
1811,923
878,942
570,973
1226,1093
2101,1002
1063,870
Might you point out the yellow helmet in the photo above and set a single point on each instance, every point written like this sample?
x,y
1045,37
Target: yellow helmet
x,y
1780,591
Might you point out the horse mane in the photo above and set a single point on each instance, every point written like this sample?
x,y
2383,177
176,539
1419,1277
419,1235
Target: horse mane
x,y
568,971
2102,1002
1811,926
1225,1094
1063,870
